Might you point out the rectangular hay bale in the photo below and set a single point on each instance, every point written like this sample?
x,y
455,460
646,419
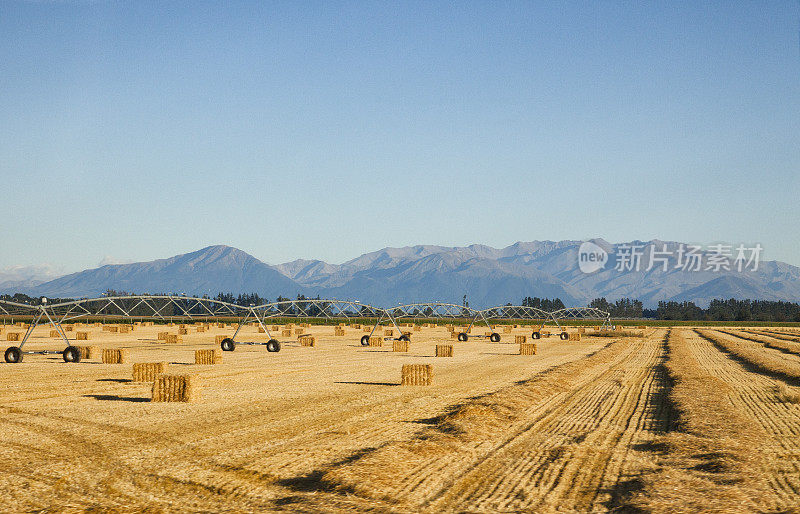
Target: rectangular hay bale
x,y
527,349
208,356
307,340
400,346
173,339
88,352
376,341
55,333
115,355
148,371
388,332
183,331
520,339
338,331
175,388
287,332
416,374
218,339
444,350
507,329
574,336
162,336
13,336
82,336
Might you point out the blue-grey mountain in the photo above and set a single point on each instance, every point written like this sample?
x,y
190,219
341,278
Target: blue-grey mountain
x,y
488,276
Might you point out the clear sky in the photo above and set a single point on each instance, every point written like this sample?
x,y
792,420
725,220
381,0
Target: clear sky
x,y
141,130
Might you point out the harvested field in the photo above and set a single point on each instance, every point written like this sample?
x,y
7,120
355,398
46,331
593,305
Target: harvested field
x,y
607,424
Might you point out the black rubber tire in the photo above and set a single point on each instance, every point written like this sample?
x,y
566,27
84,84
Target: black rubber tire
x,y
273,345
495,337
227,345
536,335
364,340
71,354
13,355
564,336
462,336
404,338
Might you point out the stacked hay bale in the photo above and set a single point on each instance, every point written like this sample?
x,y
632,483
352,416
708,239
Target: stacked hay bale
x,y
399,346
416,374
55,333
219,339
162,336
175,388
388,332
520,339
89,352
286,332
13,336
308,340
115,355
376,341
173,339
82,336
527,349
208,356
507,329
575,337
444,350
148,371
338,331
183,331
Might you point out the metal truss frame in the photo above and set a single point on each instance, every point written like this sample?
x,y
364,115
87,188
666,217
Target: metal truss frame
x,y
165,307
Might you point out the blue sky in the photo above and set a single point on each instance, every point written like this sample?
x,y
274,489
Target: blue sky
x,y
141,130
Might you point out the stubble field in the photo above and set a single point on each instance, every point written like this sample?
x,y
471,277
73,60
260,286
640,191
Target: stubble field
x,y
663,420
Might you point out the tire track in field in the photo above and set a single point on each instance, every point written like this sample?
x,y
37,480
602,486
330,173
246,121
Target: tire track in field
x,y
754,393
574,457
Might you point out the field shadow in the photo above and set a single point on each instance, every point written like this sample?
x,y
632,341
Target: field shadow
x,y
117,380
496,353
115,398
368,383
314,481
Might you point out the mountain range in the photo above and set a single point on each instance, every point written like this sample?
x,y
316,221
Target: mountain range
x,y
488,276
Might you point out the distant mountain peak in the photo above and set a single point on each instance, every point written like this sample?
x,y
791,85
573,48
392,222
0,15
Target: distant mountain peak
x,y
488,276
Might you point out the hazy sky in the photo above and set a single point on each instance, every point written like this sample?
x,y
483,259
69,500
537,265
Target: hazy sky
x,y
136,130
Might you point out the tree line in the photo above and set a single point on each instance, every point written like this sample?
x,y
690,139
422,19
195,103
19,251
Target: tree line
x,y
718,310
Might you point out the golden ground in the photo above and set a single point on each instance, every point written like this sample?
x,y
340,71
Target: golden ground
x,y
329,428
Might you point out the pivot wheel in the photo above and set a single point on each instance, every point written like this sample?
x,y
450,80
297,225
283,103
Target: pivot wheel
x,y
227,345
71,354
364,340
462,336
495,337
404,338
273,345
536,335
13,355
564,336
